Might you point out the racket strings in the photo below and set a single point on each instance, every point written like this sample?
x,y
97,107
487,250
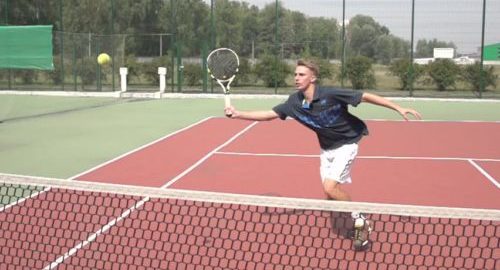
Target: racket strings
x,y
223,65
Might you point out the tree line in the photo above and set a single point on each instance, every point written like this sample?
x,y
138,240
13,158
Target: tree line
x,y
244,27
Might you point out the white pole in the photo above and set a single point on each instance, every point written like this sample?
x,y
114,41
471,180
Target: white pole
x,y
123,78
162,71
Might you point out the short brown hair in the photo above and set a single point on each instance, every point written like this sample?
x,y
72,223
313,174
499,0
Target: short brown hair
x,y
309,64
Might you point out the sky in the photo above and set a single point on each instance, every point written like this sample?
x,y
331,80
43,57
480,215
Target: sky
x,y
457,21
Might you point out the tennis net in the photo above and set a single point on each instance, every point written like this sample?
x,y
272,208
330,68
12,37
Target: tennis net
x,y
53,223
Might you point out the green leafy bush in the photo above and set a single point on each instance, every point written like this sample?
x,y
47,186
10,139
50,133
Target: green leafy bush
x,y
87,71
245,74
360,72
192,74
28,76
444,73
471,74
133,69
151,69
401,69
56,75
272,71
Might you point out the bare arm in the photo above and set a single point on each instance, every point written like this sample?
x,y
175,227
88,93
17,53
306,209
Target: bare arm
x,y
251,115
380,101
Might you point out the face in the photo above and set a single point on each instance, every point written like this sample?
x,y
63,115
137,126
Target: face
x,y
304,77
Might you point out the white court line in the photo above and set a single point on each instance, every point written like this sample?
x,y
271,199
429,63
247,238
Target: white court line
x,y
142,147
16,202
470,160
93,236
125,214
483,172
3,208
209,155
139,204
360,157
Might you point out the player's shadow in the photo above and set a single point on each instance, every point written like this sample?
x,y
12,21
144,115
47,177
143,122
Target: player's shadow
x,y
342,224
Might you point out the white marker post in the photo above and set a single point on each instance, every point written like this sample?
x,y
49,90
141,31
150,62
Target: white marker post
x,y
123,78
162,71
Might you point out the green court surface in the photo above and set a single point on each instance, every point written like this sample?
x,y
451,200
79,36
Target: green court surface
x,y
63,136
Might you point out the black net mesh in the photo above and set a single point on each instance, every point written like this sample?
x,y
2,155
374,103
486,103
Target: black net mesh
x,y
77,225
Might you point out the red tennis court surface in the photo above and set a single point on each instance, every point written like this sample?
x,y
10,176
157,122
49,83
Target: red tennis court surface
x,y
452,164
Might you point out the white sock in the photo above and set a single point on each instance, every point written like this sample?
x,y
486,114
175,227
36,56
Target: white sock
x,y
356,215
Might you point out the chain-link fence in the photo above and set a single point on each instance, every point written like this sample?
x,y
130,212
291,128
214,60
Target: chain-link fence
x,y
381,45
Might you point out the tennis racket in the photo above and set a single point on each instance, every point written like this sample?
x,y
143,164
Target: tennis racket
x,y
223,65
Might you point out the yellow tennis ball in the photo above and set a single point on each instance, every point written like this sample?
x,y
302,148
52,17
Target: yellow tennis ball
x,y
103,59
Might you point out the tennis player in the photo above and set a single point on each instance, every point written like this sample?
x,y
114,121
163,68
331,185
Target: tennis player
x,y
325,111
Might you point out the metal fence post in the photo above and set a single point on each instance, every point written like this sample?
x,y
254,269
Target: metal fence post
x,y
62,42
204,73
411,71
481,77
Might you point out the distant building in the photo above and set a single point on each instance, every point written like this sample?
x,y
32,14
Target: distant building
x,y
446,53
423,61
491,52
464,60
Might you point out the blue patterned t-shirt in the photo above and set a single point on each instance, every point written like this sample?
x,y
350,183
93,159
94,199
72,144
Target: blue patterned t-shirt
x,y
327,115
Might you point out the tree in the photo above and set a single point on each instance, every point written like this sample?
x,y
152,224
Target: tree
x,y
364,31
29,12
229,16
425,48
292,33
370,39
267,20
87,16
324,36
189,21
388,47
250,31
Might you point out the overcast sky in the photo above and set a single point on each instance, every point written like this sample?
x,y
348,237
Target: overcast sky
x,y
458,21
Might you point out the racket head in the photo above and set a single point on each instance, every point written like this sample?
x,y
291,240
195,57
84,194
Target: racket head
x,y
223,64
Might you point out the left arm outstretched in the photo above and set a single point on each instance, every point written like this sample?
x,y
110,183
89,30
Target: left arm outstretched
x,y
380,101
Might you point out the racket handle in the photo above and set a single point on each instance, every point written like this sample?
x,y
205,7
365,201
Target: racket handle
x,y
227,101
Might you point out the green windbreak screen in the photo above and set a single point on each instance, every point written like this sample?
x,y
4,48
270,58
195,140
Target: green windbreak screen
x,y
26,47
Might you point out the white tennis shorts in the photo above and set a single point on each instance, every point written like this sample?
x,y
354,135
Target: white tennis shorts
x,y
336,163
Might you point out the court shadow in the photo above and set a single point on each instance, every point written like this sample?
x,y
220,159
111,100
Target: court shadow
x,y
342,224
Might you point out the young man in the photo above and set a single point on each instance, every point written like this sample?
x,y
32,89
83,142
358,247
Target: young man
x,y
325,111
